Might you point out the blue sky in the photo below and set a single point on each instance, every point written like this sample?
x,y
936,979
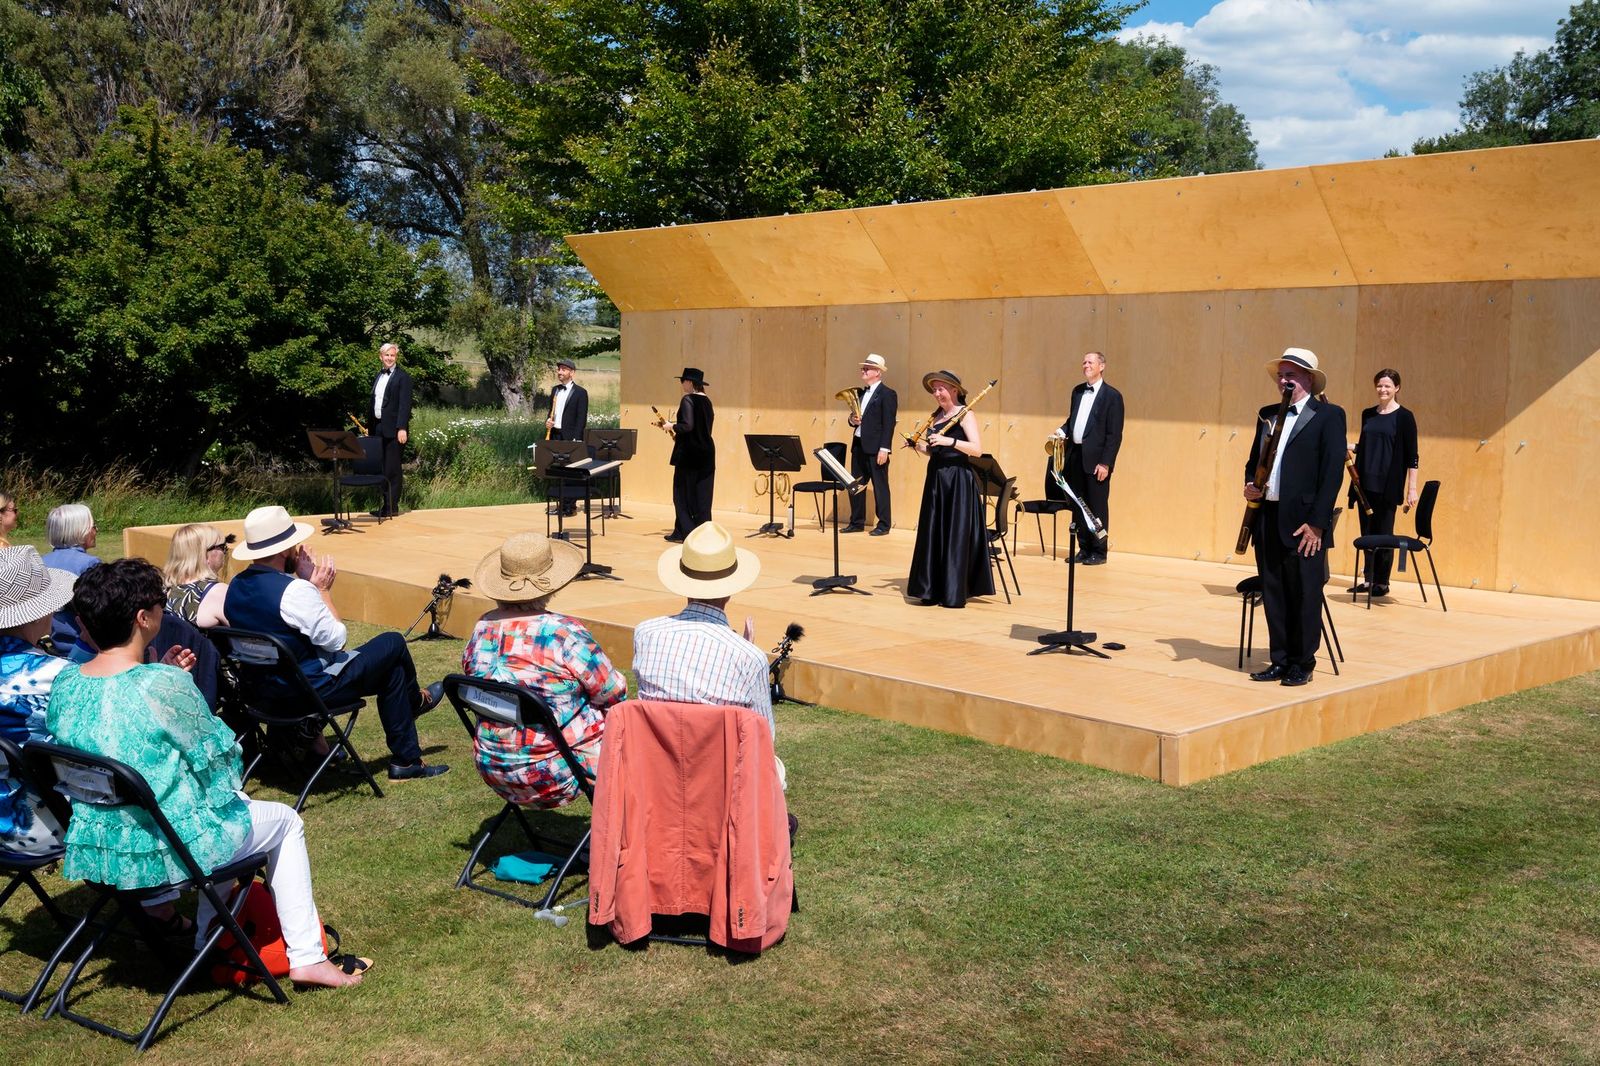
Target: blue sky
x,y
1325,81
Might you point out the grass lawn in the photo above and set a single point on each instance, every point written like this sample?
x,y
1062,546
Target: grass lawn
x,y
1421,895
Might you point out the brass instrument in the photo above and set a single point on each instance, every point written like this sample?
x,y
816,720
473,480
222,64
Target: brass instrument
x,y
661,420
1088,523
853,398
1056,448
357,423
926,428
780,487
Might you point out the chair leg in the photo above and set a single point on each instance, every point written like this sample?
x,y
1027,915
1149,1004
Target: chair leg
x,y
1011,567
566,866
996,569
1331,629
1244,605
350,750
467,880
1038,522
1436,586
1333,660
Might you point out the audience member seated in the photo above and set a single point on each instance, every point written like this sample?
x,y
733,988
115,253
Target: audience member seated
x,y
206,673
693,656
29,593
195,589
285,592
8,518
523,642
70,528
150,716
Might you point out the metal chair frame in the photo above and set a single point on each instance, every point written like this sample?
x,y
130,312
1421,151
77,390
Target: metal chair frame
x,y
817,488
21,869
995,538
1250,590
1422,542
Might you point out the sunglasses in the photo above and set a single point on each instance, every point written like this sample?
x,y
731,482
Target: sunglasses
x,y
223,546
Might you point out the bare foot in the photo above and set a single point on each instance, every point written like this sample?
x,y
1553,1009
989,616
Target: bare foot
x,y
330,974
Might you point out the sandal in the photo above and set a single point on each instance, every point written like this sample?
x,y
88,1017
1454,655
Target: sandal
x,y
350,964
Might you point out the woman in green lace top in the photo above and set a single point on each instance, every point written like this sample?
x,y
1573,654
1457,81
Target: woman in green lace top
x,y
151,716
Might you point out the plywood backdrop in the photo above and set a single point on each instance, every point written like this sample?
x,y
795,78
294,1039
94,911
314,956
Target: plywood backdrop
x,y
1475,274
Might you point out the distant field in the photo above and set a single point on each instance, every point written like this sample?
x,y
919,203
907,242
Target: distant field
x,y
464,350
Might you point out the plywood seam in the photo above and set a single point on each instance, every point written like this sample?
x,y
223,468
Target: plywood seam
x,y
1338,234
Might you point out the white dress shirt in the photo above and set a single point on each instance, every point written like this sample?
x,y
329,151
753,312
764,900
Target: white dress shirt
x,y
1081,423
561,394
377,392
1283,443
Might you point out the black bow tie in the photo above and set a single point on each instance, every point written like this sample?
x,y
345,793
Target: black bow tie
x,y
383,372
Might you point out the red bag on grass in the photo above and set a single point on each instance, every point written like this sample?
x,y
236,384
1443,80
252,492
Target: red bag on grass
x,y
259,920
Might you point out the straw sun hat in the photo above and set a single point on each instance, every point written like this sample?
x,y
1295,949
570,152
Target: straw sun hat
x,y
707,565
1305,359
29,590
528,566
268,531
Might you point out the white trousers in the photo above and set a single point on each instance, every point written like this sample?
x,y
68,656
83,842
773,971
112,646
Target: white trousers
x,y
276,829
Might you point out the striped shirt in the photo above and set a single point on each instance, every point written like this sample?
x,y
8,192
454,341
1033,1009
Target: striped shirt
x,y
694,657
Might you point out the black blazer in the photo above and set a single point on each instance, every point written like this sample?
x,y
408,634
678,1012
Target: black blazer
x,y
693,446
878,419
1312,470
575,416
1102,437
396,404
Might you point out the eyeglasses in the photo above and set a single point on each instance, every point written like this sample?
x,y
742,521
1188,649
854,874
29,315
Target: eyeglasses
x,y
217,548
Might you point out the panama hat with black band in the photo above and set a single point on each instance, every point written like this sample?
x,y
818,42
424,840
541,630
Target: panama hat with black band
x,y
268,531
707,565
1306,360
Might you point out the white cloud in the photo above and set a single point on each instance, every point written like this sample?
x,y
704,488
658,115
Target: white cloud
x,y
1323,81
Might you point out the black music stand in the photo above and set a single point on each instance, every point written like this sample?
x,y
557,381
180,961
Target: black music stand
x,y
841,481
774,454
1070,638
612,445
566,462
337,445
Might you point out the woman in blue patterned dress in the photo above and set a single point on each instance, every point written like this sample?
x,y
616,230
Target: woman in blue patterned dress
x,y
524,643
30,593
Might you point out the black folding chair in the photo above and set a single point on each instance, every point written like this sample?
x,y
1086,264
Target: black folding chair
x,y
102,782
20,870
817,489
1422,542
1250,591
479,699
996,538
276,694
367,472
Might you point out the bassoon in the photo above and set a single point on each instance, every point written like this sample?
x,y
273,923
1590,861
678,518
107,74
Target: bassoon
x,y
1263,472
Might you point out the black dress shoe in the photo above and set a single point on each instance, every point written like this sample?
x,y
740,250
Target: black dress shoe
x,y
1358,589
1094,560
430,698
671,539
1380,591
853,529
1295,676
879,533
1271,673
417,771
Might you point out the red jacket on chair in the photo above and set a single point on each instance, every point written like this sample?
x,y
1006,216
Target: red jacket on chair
x,y
689,818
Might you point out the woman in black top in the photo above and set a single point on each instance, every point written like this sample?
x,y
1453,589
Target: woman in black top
x,y
694,456
951,559
1387,463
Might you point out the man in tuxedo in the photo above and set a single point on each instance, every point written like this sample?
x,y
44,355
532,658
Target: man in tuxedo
x,y
391,413
1094,429
569,419
871,445
1294,513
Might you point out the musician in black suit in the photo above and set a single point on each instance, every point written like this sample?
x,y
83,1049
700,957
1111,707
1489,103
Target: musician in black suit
x,y
391,413
569,419
1094,428
694,456
872,444
1295,514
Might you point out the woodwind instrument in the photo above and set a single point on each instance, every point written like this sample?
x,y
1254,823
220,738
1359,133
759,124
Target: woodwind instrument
x,y
853,398
1355,484
661,420
926,428
357,423
1056,448
1263,471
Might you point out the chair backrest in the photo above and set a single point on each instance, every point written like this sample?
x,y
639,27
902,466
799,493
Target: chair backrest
x,y
512,705
14,768
840,451
266,671
85,777
1425,502
372,461
1002,506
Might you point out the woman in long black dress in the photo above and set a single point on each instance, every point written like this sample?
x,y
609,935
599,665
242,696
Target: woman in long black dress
x,y
1387,464
951,559
694,456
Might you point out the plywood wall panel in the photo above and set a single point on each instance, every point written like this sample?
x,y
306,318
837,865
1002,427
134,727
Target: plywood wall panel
x,y
1044,341
788,347
1450,344
808,259
718,342
989,246
657,269
1551,502
652,351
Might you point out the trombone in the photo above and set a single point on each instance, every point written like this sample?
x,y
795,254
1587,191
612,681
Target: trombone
x,y
851,396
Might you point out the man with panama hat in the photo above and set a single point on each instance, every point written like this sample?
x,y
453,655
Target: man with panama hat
x,y
286,592
1295,513
694,456
872,444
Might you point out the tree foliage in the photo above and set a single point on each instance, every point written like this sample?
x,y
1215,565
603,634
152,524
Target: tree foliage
x,y
1552,95
203,297
1190,130
644,114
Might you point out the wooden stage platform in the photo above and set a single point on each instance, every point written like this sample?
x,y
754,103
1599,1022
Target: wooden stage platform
x,y
1172,706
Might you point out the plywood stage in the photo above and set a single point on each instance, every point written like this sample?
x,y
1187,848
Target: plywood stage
x,y
1172,706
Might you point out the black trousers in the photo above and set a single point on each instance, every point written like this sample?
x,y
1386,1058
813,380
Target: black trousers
x,y
863,464
1378,563
1095,493
691,496
1291,593
382,667
392,474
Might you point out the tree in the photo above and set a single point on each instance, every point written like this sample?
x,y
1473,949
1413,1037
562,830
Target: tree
x,y
205,297
1190,130
640,115
1552,95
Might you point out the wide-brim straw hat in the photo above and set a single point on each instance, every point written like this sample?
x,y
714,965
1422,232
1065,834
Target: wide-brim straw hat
x,y
707,565
528,566
945,376
268,531
1304,358
875,361
30,590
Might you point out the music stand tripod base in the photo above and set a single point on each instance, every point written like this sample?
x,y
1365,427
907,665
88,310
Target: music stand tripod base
x,y
838,581
1069,639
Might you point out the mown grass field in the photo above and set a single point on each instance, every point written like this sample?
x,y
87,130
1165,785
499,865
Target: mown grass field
x,y
1425,895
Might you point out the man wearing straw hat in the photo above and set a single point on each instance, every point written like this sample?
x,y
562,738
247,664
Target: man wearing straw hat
x,y
872,445
694,656
1295,513
286,592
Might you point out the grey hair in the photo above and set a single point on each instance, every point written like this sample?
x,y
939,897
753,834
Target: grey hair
x,y
68,525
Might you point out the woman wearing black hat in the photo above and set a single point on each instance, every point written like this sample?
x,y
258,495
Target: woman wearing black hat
x,y
694,456
951,559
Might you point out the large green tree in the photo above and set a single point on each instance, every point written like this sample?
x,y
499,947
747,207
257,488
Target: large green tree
x,y
203,297
645,114
1551,95
1190,129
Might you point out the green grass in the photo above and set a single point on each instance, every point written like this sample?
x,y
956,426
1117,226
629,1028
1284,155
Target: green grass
x,y
1426,894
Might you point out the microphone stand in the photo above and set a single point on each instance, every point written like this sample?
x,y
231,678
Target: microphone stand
x,y
443,592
